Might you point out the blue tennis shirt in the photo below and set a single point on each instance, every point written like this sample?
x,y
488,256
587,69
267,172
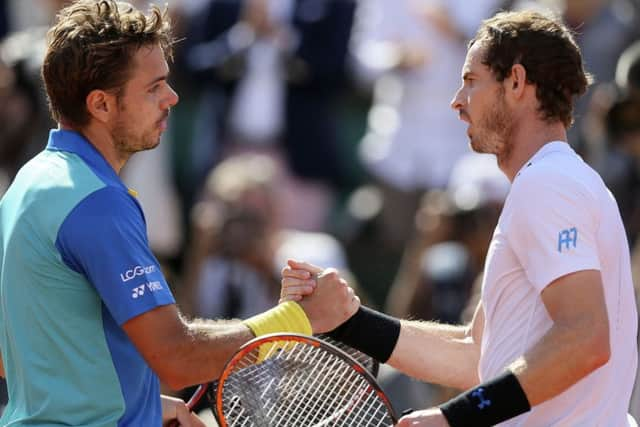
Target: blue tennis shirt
x,y
75,265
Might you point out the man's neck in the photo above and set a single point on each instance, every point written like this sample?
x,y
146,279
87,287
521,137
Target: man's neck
x,y
103,142
527,140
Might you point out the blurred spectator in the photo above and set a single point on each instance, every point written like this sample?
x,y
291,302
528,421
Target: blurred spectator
x,y
239,245
26,14
274,69
24,118
449,244
444,258
622,122
628,71
603,29
611,127
4,19
410,52
413,51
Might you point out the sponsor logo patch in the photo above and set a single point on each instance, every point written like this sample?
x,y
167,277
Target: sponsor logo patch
x,y
136,271
139,291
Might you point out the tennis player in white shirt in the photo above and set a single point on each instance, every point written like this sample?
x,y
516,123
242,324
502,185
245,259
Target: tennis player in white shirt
x,y
553,339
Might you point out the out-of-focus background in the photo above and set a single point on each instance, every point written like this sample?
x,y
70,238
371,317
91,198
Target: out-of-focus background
x,y
321,130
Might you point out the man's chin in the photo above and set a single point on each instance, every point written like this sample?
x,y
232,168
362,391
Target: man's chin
x,y
483,148
151,145
475,147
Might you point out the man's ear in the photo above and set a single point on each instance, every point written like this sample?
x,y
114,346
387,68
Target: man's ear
x,y
516,81
101,105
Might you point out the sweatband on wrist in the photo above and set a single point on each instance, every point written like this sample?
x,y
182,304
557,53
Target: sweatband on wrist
x,y
371,332
285,317
488,404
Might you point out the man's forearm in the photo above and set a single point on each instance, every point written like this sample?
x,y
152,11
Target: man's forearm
x,y
437,353
194,352
576,344
206,347
561,359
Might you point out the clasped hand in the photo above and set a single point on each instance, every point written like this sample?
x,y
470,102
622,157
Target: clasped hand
x,y
302,281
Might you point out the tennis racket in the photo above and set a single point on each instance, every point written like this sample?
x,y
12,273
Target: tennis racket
x,y
367,362
289,380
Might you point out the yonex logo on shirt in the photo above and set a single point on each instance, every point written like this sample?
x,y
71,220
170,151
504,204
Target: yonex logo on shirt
x,y
567,238
138,291
137,271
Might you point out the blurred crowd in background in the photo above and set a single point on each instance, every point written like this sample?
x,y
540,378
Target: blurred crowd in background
x,y
321,130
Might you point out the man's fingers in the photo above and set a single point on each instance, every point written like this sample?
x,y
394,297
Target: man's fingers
x,y
290,298
296,274
196,421
289,282
299,290
299,265
187,418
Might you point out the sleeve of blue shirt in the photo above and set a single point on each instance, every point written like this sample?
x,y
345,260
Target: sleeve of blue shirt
x,y
104,238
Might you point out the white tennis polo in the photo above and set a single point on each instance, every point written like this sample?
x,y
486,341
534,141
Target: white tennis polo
x,y
559,218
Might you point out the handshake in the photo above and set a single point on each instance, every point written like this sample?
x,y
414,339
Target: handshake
x,y
326,298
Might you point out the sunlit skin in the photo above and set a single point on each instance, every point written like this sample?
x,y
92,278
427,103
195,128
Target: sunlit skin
x,y
144,107
480,102
504,117
134,119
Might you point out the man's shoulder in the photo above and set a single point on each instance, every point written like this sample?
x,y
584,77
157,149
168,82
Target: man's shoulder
x,y
56,174
109,206
557,173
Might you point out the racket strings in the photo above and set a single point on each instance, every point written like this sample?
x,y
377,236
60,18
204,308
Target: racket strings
x,y
314,384
300,385
368,362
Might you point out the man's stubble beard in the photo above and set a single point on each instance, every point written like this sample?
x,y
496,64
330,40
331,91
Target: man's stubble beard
x,y
495,128
128,143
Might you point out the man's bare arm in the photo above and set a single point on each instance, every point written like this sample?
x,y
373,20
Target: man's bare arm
x,y
576,344
438,353
183,353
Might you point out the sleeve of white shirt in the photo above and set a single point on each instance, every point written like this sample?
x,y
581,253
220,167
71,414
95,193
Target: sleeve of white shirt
x,y
551,225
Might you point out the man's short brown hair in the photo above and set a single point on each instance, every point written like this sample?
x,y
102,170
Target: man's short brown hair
x,y
546,49
91,46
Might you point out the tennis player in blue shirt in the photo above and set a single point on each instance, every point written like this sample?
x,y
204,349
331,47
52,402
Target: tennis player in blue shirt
x,y
88,324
